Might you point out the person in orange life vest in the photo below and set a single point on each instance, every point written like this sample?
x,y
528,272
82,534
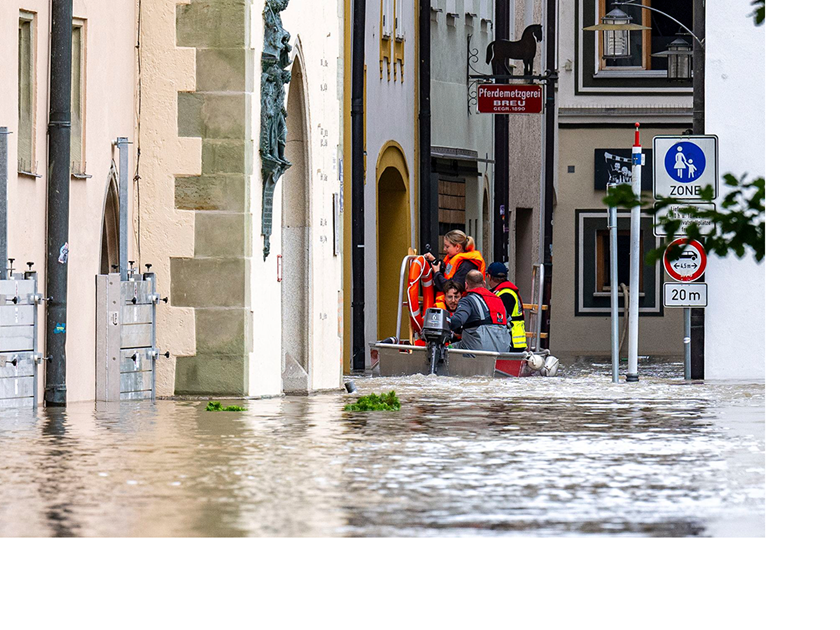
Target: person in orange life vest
x,y
498,283
480,318
461,258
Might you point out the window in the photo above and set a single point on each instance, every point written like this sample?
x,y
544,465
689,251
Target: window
x,y
644,43
452,206
451,8
486,11
77,100
470,7
399,27
26,94
642,73
592,264
387,18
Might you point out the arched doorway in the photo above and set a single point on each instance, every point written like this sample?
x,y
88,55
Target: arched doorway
x,y
393,237
296,281
110,247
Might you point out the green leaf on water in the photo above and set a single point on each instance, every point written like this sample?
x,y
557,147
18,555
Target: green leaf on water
x,y
217,406
375,402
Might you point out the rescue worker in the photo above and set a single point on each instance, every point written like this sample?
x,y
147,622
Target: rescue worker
x,y
498,283
480,318
460,258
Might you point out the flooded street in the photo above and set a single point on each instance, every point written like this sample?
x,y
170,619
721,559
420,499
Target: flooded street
x,y
575,455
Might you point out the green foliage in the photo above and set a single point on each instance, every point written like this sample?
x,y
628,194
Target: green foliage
x,y
758,14
737,226
217,406
375,402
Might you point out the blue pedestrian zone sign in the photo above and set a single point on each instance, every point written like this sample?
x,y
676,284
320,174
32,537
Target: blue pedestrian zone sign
x,y
684,165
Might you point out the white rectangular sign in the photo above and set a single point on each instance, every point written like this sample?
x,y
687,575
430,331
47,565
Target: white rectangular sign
x,y
675,211
685,294
684,165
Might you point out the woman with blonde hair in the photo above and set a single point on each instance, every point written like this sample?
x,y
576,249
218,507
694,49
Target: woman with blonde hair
x,y
460,258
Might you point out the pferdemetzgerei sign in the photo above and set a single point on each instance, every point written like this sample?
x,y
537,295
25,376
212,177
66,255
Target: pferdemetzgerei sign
x,y
684,165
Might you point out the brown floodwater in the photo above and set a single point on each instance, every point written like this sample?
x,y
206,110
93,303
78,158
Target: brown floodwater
x,y
575,455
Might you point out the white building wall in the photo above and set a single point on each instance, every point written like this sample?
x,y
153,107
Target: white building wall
x,y
316,35
735,113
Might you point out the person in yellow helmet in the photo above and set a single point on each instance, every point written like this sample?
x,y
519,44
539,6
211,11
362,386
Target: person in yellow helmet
x,y
498,283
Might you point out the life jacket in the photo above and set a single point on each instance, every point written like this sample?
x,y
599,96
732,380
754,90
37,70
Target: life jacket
x,y
493,307
517,317
420,273
450,265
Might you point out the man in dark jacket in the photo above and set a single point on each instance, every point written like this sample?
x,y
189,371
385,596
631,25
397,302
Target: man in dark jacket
x,y
481,317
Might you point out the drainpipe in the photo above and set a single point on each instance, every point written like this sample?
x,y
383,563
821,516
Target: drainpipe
x,y
548,196
428,236
501,166
357,109
58,201
4,200
698,315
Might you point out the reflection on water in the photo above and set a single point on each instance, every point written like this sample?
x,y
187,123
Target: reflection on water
x,y
539,457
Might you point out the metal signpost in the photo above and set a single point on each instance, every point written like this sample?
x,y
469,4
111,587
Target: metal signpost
x,y
635,253
683,167
684,293
612,222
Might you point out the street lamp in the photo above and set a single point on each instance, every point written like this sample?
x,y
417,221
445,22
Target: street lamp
x,y
678,54
616,26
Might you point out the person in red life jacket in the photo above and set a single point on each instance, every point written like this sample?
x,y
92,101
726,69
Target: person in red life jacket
x,y
461,258
498,283
480,318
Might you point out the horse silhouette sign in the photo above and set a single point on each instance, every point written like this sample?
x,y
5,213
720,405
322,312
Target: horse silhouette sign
x,y
500,51
510,99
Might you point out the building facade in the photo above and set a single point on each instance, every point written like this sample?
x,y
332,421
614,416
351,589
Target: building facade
x,y
245,317
184,83
598,103
102,109
735,329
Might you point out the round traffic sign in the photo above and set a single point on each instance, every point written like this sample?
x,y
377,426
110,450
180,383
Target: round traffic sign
x,y
690,265
685,162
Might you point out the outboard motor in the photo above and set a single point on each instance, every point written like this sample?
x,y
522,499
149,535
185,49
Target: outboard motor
x,y
435,333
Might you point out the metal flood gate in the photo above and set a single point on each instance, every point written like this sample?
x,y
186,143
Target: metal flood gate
x,y
19,299
126,355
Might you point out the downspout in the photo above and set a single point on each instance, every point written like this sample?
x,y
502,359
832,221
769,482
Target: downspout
x,y
698,315
425,126
58,200
501,166
357,108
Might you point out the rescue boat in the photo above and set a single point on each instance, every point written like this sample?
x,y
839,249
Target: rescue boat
x,y
426,350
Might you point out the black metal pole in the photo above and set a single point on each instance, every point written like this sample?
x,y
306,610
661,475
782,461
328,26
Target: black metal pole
x,y
357,110
501,167
698,315
548,201
58,200
424,53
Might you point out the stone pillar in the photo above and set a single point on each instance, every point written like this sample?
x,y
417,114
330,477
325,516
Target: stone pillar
x,y
216,281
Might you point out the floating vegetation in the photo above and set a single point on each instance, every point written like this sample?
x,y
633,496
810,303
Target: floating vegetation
x,y
217,406
375,402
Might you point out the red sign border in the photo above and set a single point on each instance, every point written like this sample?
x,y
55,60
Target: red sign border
x,y
703,259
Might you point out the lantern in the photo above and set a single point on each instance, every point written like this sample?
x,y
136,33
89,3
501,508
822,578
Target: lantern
x,y
679,55
616,26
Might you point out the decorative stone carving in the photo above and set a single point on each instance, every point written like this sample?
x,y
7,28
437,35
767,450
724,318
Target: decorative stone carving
x,y
276,57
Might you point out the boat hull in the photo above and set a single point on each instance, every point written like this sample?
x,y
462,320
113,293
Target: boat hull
x,y
404,360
